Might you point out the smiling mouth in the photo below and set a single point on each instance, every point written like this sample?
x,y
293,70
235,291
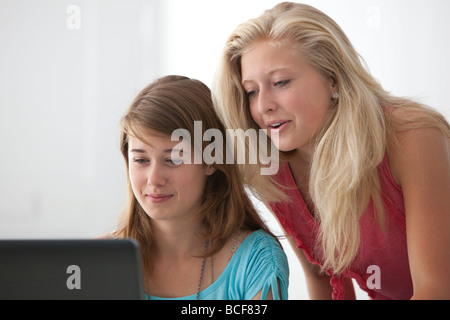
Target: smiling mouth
x,y
158,198
277,125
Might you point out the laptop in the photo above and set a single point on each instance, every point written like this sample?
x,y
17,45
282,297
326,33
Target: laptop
x,y
70,270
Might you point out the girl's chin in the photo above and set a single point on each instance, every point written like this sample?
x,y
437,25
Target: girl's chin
x,y
286,148
289,152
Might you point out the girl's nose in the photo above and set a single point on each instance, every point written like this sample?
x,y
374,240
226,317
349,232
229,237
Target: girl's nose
x,y
265,102
156,175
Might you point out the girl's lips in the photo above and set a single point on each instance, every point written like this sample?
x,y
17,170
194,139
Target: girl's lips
x,y
278,126
158,198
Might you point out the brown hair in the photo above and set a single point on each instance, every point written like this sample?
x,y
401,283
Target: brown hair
x,y
168,104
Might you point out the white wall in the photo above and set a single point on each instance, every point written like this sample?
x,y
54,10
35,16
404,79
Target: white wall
x,y
70,68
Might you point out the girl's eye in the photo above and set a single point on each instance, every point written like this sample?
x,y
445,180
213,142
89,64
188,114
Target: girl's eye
x,y
281,83
140,161
251,93
175,161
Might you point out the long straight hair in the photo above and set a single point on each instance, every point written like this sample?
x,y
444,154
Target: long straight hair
x,y
168,104
353,139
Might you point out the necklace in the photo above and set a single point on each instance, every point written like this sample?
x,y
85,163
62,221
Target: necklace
x,y
202,271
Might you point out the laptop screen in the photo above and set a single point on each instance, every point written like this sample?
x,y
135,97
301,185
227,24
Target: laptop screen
x,y
70,269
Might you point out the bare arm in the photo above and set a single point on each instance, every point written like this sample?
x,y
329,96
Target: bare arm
x,y
268,297
318,283
421,165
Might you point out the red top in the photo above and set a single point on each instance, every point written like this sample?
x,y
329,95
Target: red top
x,y
381,267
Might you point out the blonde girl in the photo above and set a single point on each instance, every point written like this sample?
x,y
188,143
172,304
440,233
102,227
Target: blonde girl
x,y
364,188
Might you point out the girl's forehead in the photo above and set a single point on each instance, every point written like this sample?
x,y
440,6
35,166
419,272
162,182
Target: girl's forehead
x,y
150,140
157,143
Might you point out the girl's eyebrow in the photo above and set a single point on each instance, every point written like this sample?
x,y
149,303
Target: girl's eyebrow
x,y
138,151
269,73
175,150
165,151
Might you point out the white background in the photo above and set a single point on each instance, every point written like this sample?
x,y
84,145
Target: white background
x,y
69,70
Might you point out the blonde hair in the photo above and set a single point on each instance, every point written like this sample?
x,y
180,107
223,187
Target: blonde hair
x,y
353,139
168,104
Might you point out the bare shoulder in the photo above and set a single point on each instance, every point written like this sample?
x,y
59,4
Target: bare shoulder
x,y
420,163
421,148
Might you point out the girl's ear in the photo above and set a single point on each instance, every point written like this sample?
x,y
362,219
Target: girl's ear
x,y
333,82
210,170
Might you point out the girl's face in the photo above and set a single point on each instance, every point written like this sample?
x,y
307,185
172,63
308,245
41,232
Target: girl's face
x,y
166,188
287,96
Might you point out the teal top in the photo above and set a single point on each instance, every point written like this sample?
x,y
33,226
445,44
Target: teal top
x,y
258,264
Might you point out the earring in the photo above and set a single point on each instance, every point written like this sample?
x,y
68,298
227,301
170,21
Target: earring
x,y
335,96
